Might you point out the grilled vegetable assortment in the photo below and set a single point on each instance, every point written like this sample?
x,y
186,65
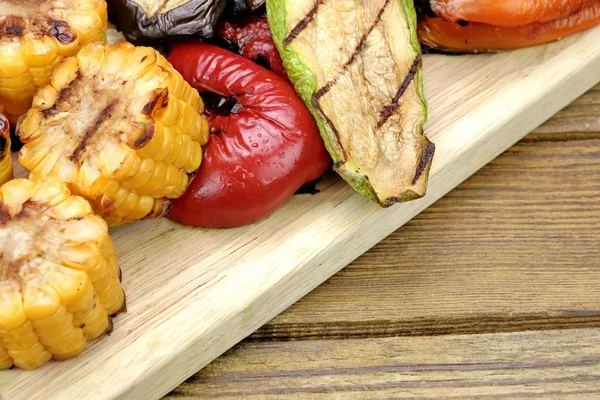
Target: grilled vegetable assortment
x,y
59,278
120,126
115,133
264,144
478,26
35,35
358,69
6,169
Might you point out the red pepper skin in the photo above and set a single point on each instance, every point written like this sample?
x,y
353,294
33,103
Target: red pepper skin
x,y
253,39
259,154
476,37
507,13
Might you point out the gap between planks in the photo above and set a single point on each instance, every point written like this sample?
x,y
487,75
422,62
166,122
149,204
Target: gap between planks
x,y
505,225
550,364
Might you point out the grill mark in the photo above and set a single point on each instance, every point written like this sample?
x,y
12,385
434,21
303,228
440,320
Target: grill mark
x,y
91,131
390,109
142,141
4,215
357,51
425,161
317,106
31,208
325,89
145,137
12,27
157,99
303,24
63,95
61,31
363,40
13,30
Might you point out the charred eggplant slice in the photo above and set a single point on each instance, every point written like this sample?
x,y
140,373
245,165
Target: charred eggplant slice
x,y
357,66
145,22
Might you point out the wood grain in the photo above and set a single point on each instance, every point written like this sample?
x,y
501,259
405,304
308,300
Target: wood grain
x,y
533,365
515,247
579,121
371,298
192,294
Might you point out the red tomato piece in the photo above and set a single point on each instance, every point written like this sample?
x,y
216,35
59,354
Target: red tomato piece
x,y
264,143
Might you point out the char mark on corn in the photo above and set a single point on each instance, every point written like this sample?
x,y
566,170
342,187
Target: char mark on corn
x,y
121,126
35,36
59,277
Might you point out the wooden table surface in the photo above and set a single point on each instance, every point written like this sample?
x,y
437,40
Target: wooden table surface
x,y
493,292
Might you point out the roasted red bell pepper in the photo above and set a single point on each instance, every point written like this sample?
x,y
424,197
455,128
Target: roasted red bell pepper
x,y
264,143
506,12
476,37
251,38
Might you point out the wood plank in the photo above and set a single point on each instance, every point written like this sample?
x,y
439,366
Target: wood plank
x,y
578,121
192,294
536,365
513,248
388,253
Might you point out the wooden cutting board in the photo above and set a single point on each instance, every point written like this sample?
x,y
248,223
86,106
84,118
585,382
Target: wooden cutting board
x,y
194,293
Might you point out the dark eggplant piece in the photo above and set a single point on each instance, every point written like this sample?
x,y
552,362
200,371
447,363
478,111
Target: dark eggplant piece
x,y
146,22
423,9
244,7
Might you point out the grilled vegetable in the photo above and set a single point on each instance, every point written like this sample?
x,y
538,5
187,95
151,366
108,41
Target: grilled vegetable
x,y
120,126
506,12
251,38
264,143
476,37
357,66
113,35
150,21
6,170
242,7
34,37
59,278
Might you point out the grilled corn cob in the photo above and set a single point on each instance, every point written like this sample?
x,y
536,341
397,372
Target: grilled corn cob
x,y
6,170
120,126
59,278
34,37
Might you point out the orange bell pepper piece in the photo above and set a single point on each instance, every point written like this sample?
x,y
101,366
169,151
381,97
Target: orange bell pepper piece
x,y
506,12
476,37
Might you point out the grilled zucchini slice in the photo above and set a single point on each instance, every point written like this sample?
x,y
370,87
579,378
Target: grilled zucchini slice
x,y
357,66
